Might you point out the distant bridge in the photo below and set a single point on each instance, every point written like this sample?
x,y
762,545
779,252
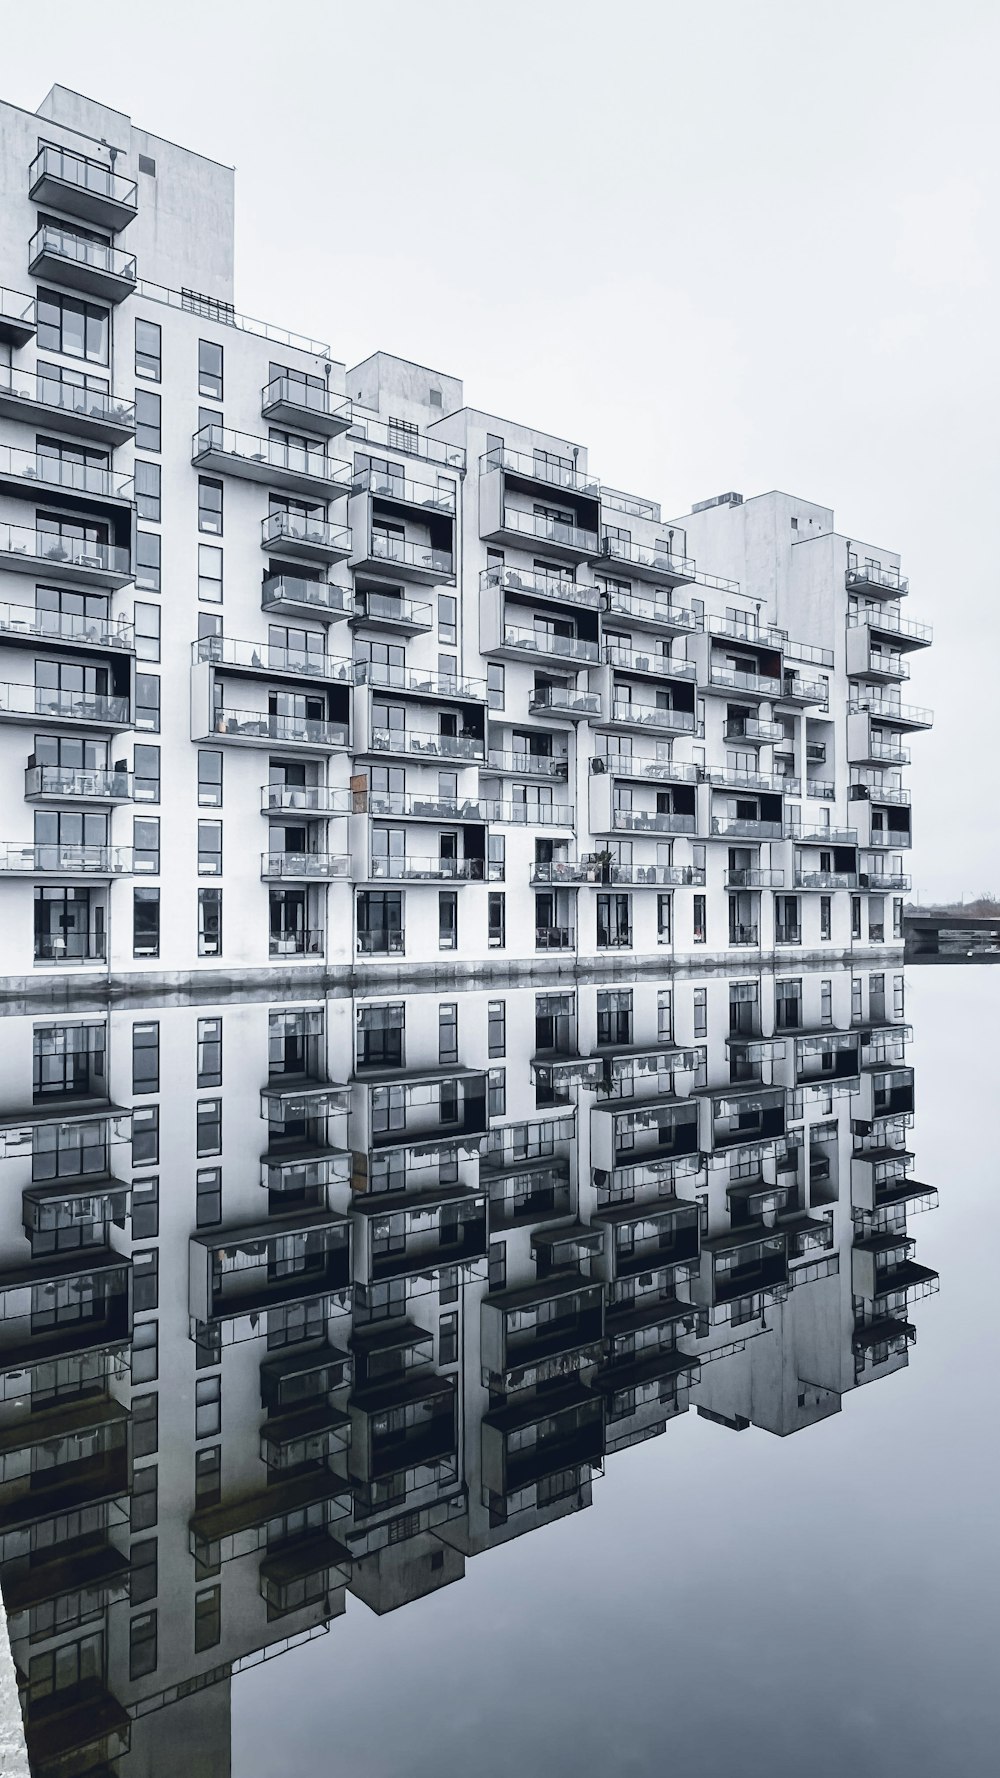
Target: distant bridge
x,y
951,935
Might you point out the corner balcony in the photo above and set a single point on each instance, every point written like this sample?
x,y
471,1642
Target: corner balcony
x,y
826,880
291,468
305,867
68,560
28,703
651,611
287,401
872,581
410,1235
268,660
91,267
868,659
255,728
540,1332
64,407
304,539
531,531
883,1266
62,630
83,187
76,784
64,860
888,710
237,1274
285,595
823,1056
733,827
32,475
563,703
399,558
752,730
645,561
18,317
751,877
526,765
292,1097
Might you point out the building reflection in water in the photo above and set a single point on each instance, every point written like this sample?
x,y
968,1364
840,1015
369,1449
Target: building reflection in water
x,y
308,1298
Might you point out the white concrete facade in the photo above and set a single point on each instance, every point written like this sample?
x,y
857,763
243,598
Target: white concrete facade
x,y
316,671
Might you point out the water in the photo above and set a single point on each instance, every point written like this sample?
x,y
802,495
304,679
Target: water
x,y
814,1592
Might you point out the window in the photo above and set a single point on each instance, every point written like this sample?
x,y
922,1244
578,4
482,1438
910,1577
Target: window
x,y
663,924
448,1031
700,928
447,920
148,350
147,490
147,420
209,1196
145,922
497,917
147,631
209,1126
145,1136
210,573
495,685
897,917
664,1015
497,1263
146,765
210,848
142,1645
448,1339
788,1005
146,1058
147,702
497,1027
146,1208
614,921
207,1407
381,1035
496,1082
210,922
825,916
73,328
145,1281
146,843
210,369
147,561
701,1012
209,778
142,1575
826,1002
209,505
448,619
207,1346
145,1425
210,1052
145,1352
208,1476
855,916
207,1618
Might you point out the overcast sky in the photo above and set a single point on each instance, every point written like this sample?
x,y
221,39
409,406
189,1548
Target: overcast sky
x,y
733,245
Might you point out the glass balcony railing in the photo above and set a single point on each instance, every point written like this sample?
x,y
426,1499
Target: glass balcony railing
x,y
418,679
531,641
45,546
68,399
761,684
884,618
311,536
394,610
54,472
651,608
664,771
797,689
405,554
247,449
861,575
69,706
645,715
532,814
18,313
822,835
324,866
83,173
822,790
64,626
318,597
257,725
528,765
663,876
890,710
229,651
539,466
302,941
417,805
70,947
566,870
307,398
653,821
826,879
724,779
650,557
52,242
406,440
534,583
428,869
564,700
106,861
427,744
748,728
736,827
304,799
632,660
751,877
387,486
91,784
545,530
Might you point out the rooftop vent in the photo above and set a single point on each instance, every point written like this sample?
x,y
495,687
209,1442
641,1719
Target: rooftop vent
x,y
718,500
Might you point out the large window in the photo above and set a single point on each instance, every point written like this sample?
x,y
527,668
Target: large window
x,y
147,490
146,763
209,922
148,561
210,848
209,778
209,505
74,328
145,922
148,409
148,350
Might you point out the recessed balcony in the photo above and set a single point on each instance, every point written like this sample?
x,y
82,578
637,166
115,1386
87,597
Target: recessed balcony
x,y
873,581
24,624
725,678
744,1266
735,827
654,718
69,560
392,611
65,407
305,407
391,489
563,703
826,880
648,1238
416,805
657,771
93,267
292,468
555,938
556,871
255,728
886,882
530,531
28,703
645,561
268,660
526,765
653,821
752,730
423,744
411,868
651,611
807,834
797,689
18,317
304,539
81,186
532,814
752,877
305,867
772,783
64,860
76,784
883,620
541,469
288,596
401,558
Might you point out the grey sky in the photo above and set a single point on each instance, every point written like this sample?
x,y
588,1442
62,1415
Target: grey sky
x,y
725,246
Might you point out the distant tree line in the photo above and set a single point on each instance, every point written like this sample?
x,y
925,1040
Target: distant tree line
x,y
984,907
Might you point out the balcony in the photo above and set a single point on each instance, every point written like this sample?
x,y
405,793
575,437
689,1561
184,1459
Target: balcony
x,y
564,870
382,942
25,624
515,642
298,941
305,867
70,947
79,1730
527,765
34,475
745,1266
868,659
873,581
902,631
411,869
413,805
797,689
650,611
644,561
73,561
255,1521
755,685
287,596
392,611
652,665
421,682
430,1112
313,1167
652,821
530,814
238,1274
888,710
648,1238
535,586
752,730
18,317
886,882
540,469
529,1441
395,490
28,703
292,468
64,860
401,558
78,784
304,539
826,879
92,267
806,834
425,744
65,407
564,703
83,187
658,771
773,783
656,876
402,1428
528,530
87,1295
541,1331
752,877
288,401
292,1097
652,718
413,1234
255,728
289,1383
312,1564
267,660
734,828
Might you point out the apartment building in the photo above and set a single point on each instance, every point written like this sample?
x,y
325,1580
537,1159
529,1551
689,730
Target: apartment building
x,y
324,1296
314,671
